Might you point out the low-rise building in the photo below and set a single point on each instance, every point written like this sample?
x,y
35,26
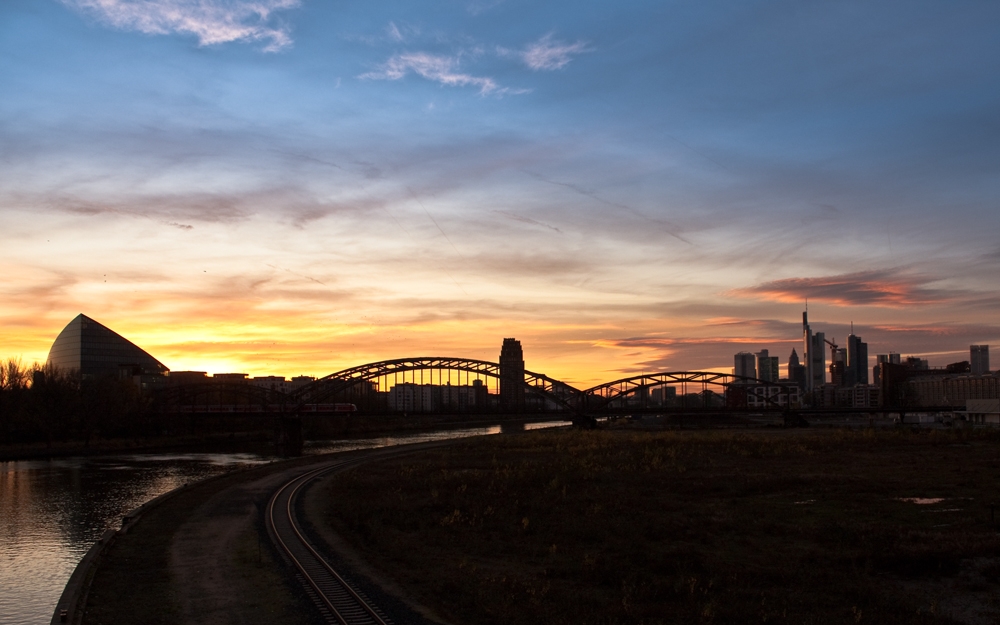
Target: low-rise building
x,y
763,397
983,412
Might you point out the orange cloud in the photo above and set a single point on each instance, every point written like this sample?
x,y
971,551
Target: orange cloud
x,y
887,288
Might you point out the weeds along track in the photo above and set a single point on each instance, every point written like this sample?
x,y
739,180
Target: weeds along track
x,y
337,600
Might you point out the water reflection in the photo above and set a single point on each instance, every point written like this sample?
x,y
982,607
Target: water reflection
x,y
52,511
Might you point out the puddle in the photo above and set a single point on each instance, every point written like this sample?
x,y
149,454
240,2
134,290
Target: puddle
x,y
921,501
802,503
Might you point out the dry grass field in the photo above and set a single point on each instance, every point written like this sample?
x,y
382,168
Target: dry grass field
x,y
687,527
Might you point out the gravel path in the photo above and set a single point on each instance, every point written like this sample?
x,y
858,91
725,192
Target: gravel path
x,y
202,551
201,557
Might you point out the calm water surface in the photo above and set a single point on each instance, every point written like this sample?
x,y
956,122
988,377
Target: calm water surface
x,y
52,511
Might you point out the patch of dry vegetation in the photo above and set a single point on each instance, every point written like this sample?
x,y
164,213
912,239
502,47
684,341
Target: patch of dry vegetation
x,y
695,527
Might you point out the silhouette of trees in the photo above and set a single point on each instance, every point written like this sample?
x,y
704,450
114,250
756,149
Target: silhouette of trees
x,y
44,404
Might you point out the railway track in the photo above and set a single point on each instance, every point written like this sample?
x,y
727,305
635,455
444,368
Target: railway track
x,y
337,600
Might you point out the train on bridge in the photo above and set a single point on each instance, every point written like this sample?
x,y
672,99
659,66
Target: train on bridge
x,y
337,408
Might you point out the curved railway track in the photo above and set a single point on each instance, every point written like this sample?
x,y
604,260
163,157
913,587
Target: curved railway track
x,y
336,599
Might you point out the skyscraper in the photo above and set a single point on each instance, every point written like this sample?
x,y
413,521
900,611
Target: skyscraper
x,y
856,371
892,358
838,367
796,372
511,376
745,365
767,366
814,352
979,359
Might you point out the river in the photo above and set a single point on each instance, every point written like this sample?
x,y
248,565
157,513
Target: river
x,y
52,511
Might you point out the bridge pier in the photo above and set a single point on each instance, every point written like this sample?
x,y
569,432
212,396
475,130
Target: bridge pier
x,y
289,435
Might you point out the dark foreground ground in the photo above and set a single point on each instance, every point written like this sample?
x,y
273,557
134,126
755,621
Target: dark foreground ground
x,y
685,527
197,559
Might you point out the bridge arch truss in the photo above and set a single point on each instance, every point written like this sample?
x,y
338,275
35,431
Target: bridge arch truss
x,y
603,395
329,386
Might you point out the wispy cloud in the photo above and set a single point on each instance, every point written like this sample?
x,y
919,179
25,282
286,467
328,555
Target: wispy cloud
x,y
867,288
393,31
212,21
549,54
439,68
668,227
526,220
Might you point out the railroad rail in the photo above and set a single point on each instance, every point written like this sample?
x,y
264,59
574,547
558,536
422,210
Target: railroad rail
x,y
337,600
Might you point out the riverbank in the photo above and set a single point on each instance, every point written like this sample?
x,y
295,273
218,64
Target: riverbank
x,y
788,526
262,441
214,522
197,558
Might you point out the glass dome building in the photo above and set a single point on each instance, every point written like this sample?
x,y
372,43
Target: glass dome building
x,y
94,350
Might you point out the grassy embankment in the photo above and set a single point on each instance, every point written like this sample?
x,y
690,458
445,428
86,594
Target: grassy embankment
x,y
712,527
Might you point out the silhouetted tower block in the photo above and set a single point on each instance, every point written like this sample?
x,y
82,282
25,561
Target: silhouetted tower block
x,y
838,367
767,366
856,370
745,365
979,357
814,353
511,376
796,371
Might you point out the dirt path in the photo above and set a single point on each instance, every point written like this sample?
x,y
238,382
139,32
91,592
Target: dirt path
x,y
196,559
204,551
201,557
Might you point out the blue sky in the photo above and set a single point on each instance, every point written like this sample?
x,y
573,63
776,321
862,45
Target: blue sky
x,y
292,186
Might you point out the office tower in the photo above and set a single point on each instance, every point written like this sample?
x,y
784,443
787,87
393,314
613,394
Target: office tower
x,y
880,360
814,352
767,366
979,359
511,376
745,365
838,366
796,371
856,370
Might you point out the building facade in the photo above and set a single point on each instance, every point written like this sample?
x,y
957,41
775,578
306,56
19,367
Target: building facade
x,y
856,371
767,367
745,365
93,350
814,353
979,359
511,376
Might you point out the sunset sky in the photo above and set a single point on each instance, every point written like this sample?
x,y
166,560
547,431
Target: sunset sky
x,y
299,186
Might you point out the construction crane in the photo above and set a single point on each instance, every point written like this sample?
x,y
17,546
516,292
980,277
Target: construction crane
x,y
836,367
833,348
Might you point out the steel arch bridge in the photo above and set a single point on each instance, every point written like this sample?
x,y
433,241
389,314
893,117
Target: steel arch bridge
x,y
602,395
324,388
576,401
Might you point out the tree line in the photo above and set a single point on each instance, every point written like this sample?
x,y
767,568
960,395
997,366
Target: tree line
x,y
40,403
